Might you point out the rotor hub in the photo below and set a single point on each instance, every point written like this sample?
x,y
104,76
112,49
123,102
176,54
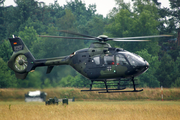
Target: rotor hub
x,y
103,38
21,62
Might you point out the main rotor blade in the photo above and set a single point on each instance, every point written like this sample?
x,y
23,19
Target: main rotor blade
x,y
70,32
68,37
153,36
130,40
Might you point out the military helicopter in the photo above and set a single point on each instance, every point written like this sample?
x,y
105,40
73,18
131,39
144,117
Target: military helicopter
x,y
99,62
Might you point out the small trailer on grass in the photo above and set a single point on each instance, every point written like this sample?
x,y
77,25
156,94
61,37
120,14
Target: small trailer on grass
x,y
35,96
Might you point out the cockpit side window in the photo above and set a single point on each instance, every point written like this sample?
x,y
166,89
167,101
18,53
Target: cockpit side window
x,y
109,60
120,59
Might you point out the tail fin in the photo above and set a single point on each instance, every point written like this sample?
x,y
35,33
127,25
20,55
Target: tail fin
x,y
21,61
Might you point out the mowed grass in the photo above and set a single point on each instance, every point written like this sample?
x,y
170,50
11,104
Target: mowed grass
x,y
172,94
109,110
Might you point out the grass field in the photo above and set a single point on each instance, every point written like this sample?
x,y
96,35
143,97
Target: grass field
x,y
109,110
154,94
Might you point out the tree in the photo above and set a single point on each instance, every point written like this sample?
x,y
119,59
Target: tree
x,y
80,81
141,21
66,81
169,18
176,83
94,27
33,80
47,83
67,21
79,9
2,22
28,35
6,78
5,50
37,25
167,72
175,6
148,78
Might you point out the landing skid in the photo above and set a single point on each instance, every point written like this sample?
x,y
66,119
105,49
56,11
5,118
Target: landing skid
x,y
102,89
119,89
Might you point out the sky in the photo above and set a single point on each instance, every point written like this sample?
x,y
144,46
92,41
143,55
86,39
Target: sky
x,y
102,7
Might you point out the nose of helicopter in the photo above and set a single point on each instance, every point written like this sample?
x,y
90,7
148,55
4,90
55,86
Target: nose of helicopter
x,y
146,66
139,65
143,67
140,68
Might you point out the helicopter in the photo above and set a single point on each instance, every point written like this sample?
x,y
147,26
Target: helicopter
x,y
100,62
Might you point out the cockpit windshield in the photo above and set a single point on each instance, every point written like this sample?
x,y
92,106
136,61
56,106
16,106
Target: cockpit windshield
x,y
127,58
134,59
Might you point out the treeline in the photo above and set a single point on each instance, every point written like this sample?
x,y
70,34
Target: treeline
x,y
31,18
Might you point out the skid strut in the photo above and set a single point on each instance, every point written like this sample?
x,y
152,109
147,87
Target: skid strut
x,y
133,84
91,85
105,82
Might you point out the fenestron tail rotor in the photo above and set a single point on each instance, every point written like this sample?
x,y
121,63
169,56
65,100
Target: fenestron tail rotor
x,y
21,63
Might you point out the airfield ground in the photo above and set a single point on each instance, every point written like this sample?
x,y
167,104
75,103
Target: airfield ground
x,y
154,94
82,110
146,105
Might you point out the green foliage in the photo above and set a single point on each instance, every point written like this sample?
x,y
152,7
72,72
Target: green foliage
x,y
77,81
176,83
175,6
28,35
67,21
80,81
47,83
167,72
6,78
148,78
5,50
65,82
94,27
36,25
2,22
33,80
142,20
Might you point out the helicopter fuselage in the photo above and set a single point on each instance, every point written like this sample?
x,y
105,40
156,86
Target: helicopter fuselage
x,y
101,61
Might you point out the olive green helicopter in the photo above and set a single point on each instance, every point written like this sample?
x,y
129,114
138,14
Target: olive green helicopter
x,y
100,62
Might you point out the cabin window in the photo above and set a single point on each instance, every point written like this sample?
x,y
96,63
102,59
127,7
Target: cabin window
x,y
96,60
109,60
121,60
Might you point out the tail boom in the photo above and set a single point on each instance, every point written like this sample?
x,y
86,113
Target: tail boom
x,y
22,61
